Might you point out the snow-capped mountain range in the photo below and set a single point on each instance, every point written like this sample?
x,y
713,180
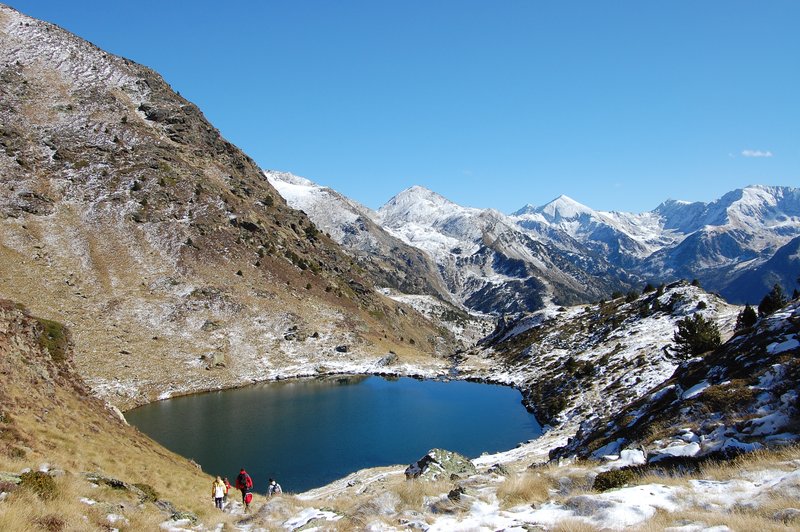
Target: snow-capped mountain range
x,y
716,242
482,258
564,252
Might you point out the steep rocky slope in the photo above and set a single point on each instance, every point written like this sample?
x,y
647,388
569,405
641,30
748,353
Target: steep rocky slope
x,y
783,268
124,214
50,421
579,364
392,262
741,397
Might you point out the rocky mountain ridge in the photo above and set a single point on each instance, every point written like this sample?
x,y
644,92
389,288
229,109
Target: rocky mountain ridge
x,y
389,259
489,262
479,259
725,243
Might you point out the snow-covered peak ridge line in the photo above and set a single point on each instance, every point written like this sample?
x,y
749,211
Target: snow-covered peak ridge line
x,y
479,259
392,261
329,210
422,206
39,44
751,199
563,207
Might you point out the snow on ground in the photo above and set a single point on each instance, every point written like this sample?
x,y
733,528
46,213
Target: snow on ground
x,y
481,510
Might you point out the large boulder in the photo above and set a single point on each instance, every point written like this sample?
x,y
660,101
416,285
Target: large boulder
x,y
441,464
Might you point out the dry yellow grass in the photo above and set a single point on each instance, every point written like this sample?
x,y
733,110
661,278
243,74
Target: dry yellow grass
x,y
735,520
574,525
413,492
525,488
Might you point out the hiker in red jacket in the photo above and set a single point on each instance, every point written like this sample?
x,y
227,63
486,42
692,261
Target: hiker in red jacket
x,y
245,484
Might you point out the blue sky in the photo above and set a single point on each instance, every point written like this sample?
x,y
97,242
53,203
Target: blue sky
x,y
618,104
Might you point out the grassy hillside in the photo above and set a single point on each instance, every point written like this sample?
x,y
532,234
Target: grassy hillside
x,y
49,420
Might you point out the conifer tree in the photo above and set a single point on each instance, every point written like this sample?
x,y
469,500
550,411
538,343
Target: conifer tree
x,y
696,335
772,301
746,318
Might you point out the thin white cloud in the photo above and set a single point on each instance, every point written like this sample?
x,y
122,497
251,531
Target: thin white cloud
x,y
756,153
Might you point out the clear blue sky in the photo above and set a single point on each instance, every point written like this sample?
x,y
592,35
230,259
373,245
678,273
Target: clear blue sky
x,y
618,104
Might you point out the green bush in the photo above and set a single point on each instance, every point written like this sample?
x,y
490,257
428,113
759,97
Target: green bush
x,y
54,338
40,483
616,478
150,494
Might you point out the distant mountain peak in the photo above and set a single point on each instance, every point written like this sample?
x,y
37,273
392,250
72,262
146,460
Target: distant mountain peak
x,y
419,193
564,207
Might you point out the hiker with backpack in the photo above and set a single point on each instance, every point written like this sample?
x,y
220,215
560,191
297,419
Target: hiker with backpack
x,y
273,488
245,484
218,492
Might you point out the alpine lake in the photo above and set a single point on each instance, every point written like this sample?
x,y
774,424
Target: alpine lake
x,y
306,433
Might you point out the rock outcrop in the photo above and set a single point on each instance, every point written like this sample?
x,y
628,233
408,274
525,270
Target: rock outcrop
x,y
440,464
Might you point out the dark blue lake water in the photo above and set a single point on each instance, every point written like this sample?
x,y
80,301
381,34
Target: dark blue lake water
x,y
308,432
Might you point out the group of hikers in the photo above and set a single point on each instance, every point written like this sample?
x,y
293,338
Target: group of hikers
x,y
244,483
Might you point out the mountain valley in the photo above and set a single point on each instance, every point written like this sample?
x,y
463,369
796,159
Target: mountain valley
x,y
143,256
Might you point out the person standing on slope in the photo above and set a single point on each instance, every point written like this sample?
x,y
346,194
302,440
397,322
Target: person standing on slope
x,y
274,488
218,492
227,489
245,484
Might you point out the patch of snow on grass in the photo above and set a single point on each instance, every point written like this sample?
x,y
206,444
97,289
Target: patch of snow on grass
x,y
695,390
308,515
787,345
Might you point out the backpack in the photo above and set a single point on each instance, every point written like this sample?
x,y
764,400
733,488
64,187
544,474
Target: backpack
x,y
244,480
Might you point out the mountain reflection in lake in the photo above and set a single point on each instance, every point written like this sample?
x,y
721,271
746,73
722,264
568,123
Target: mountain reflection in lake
x,y
308,432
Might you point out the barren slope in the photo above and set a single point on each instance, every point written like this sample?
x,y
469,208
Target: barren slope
x,y
124,214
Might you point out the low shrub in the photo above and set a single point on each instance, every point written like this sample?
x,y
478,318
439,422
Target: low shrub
x,y
40,483
51,523
616,478
150,494
55,339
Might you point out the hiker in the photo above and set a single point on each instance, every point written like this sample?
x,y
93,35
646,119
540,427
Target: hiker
x,y
274,488
218,492
245,484
227,489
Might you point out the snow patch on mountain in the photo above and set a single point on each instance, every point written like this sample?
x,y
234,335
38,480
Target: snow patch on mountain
x,y
330,211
